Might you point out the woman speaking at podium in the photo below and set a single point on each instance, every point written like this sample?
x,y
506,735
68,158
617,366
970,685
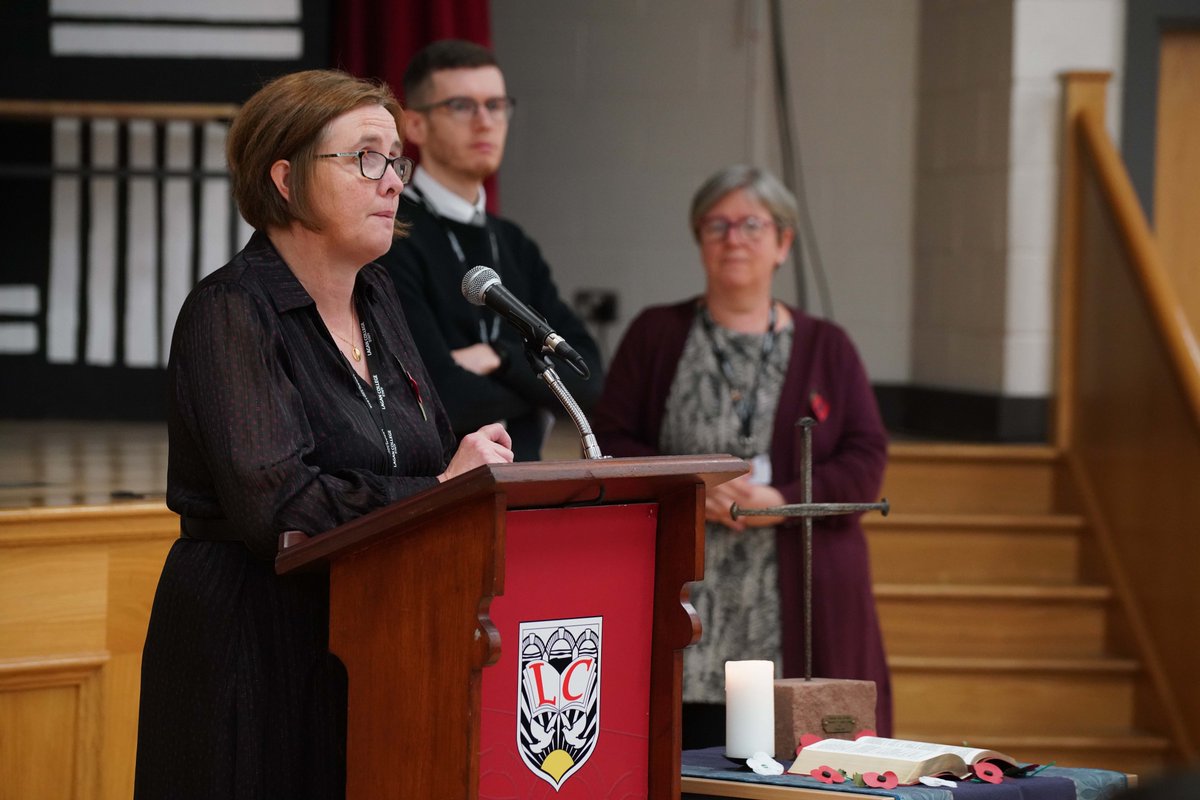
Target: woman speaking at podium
x,y
297,401
733,371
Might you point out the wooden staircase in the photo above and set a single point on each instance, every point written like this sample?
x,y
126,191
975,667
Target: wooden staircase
x,y
997,632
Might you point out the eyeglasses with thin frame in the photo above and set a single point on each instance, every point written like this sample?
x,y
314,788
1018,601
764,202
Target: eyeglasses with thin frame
x,y
464,109
715,229
373,165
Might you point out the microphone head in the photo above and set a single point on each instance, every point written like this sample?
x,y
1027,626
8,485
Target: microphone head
x,y
476,283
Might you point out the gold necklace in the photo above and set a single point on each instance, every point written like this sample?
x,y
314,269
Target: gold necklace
x,y
354,351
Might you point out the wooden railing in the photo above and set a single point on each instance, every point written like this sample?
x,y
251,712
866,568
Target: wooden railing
x,y
1127,413
51,109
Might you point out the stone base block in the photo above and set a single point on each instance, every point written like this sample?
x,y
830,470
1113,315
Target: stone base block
x,y
824,707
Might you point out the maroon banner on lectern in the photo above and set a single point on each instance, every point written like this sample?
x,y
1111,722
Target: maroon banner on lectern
x,y
565,711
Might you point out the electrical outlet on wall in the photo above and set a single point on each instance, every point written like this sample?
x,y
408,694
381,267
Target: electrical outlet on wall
x,y
598,306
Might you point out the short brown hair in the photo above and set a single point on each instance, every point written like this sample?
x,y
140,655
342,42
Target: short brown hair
x,y
285,119
441,55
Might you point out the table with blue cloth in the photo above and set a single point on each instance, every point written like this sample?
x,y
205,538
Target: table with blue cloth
x,y
707,773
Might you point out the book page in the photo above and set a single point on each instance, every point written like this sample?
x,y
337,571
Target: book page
x,y
867,756
908,759
911,750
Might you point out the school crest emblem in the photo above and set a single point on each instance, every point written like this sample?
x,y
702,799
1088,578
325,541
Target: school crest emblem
x,y
558,696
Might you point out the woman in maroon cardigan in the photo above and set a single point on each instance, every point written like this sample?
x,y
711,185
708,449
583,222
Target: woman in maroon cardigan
x,y
733,371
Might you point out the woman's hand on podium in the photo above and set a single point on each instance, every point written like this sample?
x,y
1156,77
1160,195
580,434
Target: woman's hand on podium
x,y
491,444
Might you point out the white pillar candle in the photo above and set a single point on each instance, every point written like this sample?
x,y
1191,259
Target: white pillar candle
x,y
749,708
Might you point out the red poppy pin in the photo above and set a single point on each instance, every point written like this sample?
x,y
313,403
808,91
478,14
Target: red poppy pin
x,y
828,775
881,780
820,407
416,390
988,772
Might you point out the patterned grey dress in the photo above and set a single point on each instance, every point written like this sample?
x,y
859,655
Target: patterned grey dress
x,y
738,600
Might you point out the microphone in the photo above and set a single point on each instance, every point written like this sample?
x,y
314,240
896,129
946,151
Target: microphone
x,y
482,287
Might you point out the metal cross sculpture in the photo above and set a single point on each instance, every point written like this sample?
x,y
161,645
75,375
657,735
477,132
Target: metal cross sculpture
x,y
808,509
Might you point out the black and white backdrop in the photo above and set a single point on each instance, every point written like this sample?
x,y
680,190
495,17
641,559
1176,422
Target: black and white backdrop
x,y
109,220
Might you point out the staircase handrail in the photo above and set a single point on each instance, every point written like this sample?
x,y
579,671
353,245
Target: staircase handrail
x,y
1132,448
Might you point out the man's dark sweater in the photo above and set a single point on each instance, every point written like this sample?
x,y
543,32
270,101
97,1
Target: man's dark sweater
x,y
428,276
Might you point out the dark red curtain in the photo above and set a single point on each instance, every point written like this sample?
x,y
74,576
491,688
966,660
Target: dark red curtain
x,y
376,38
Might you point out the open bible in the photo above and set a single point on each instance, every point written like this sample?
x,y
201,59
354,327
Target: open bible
x,y
909,760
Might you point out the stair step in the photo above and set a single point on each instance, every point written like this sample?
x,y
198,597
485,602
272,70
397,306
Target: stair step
x,y
975,548
1133,753
1014,665
971,478
992,620
1065,697
1030,523
958,451
955,591
991,630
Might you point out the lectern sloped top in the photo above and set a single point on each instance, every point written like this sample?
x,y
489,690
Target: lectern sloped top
x,y
525,485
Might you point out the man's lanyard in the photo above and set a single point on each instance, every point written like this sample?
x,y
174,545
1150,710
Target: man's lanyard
x,y
484,335
744,403
377,410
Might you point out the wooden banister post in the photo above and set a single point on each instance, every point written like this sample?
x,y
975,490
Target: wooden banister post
x,y
1081,91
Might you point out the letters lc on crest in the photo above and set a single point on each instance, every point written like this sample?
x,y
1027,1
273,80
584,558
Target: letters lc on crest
x,y
558,696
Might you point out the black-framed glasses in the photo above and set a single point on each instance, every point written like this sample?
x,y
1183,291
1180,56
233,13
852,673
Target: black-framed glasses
x,y
715,229
372,164
464,109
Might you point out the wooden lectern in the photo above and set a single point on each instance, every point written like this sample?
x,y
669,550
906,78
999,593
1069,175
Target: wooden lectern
x,y
411,595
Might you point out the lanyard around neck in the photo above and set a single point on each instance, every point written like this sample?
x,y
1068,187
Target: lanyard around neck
x,y
372,352
484,335
744,403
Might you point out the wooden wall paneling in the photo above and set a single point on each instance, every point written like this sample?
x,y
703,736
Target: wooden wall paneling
x,y
52,601
132,578
76,586
30,721
49,715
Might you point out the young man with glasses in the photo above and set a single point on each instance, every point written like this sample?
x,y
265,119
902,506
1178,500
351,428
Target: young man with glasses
x,y
457,113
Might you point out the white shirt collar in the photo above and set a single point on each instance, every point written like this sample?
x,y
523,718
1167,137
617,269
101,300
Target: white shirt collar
x,y
446,203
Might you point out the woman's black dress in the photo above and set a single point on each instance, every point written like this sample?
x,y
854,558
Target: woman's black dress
x,y
270,430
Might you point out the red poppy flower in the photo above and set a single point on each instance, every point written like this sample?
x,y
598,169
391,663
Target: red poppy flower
x,y
887,780
988,772
828,775
820,407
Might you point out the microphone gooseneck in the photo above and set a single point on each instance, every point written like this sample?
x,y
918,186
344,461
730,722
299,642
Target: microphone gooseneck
x,y
482,287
